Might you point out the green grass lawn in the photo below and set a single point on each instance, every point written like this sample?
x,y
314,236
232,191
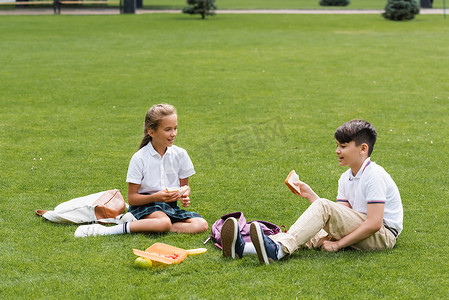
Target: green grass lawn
x,y
257,96
264,4
277,4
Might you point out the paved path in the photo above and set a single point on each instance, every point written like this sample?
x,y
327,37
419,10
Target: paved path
x,y
115,11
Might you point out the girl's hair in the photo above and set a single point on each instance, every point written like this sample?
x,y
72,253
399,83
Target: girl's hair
x,y
153,118
358,131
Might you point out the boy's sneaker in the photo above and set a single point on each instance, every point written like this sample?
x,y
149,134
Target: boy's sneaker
x,y
266,248
90,230
231,239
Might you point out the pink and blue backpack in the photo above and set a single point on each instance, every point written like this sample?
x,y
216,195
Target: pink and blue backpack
x,y
268,228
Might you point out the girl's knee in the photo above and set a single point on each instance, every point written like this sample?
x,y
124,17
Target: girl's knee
x,y
199,225
158,224
202,226
165,224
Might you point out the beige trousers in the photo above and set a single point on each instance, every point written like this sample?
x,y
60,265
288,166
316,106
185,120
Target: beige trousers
x,y
328,220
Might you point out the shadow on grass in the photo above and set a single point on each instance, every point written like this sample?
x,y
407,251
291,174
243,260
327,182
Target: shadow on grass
x,y
347,253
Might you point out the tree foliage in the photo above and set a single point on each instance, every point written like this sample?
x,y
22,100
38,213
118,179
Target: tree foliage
x,y
202,7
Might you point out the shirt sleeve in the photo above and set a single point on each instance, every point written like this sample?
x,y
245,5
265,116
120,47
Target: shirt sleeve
x,y
375,190
135,170
341,196
186,168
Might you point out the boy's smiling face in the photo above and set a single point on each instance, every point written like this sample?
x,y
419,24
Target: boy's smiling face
x,y
351,155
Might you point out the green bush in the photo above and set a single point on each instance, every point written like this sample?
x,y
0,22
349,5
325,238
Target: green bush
x,y
202,7
334,2
400,10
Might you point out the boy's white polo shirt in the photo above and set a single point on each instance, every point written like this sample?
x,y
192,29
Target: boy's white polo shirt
x,y
155,173
372,184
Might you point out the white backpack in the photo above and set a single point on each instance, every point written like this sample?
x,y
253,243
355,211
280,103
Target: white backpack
x,y
103,207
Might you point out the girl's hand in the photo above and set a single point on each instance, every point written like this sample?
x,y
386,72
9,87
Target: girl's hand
x,y
185,199
164,196
306,191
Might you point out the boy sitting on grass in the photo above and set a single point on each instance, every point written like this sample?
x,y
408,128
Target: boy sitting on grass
x,y
367,215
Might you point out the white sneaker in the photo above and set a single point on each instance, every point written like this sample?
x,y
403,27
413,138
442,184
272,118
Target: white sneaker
x,y
90,230
128,217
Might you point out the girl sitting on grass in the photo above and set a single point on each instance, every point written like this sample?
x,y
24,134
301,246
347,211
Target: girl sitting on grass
x,y
157,165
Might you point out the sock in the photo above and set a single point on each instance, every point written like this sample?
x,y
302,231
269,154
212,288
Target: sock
x,y
126,227
117,229
249,248
281,252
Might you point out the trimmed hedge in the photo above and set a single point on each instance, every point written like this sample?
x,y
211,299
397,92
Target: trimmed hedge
x,y
401,10
334,2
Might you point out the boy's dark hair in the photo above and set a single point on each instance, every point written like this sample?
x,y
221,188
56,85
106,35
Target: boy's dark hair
x,y
358,131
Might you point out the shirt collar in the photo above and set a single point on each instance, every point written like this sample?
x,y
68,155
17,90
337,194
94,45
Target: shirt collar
x,y
361,170
153,152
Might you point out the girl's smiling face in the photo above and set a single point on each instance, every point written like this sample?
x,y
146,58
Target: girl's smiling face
x,y
165,134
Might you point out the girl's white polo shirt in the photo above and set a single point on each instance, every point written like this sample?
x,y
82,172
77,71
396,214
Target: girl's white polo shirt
x,y
155,173
372,184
